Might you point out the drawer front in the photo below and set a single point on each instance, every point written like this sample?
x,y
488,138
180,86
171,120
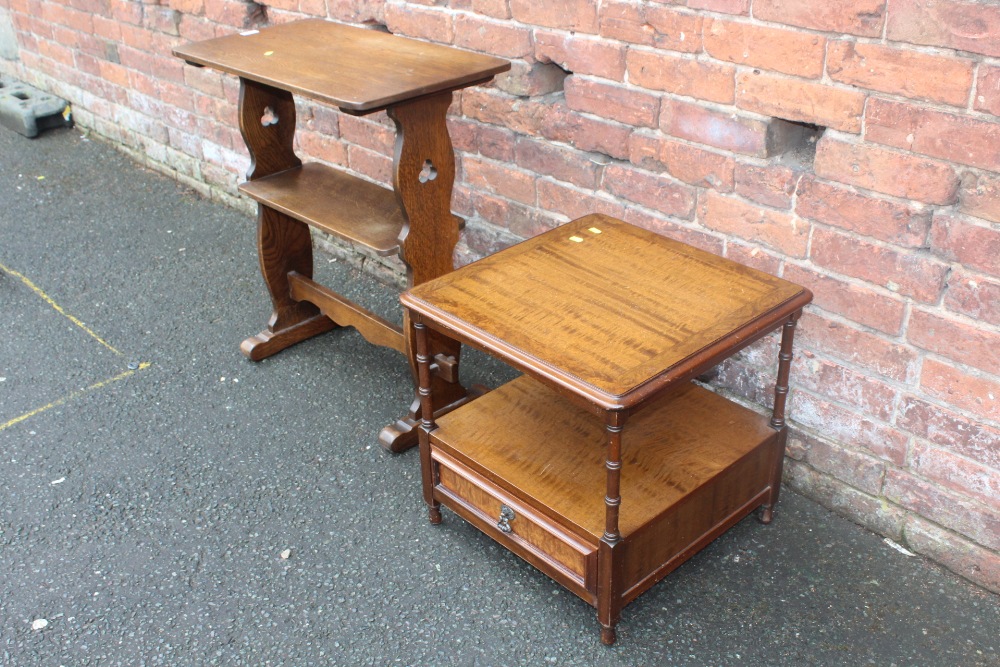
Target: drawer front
x,y
547,546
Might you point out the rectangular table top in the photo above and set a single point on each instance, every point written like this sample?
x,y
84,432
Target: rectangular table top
x,y
353,68
607,310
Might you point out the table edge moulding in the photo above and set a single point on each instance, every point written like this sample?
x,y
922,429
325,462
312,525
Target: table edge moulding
x,y
603,465
360,71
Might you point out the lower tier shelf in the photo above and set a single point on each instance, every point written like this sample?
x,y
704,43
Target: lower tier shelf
x,y
693,464
338,203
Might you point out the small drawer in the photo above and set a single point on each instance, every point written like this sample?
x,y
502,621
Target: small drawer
x,y
529,534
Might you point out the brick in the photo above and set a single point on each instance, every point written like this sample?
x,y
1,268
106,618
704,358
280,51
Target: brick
x,y
374,165
775,49
163,20
908,273
430,24
848,427
962,557
499,179
682,161
57,52
674,30
481,240
865,350
771,184
488,105
530,79
319,147
873,513
577,15
187,6
356,11
229,160
524,221
718,129
625,21
627,105
945,428
498,9
800,100
978,395
234,13
566,164
988,89
974,295
495,37
656,222
652,25
948,136
92,6
956,473
495,142
854,17
463,135
560,123
950,509
700,79
867,307
751,255
654,191
722,6
847,386
956,239
223,135
903,72
903,224
980,196
956,340
571,202
889,172
204,79
319,118
367,132
773,229
862,471
581,55
194,29
963,25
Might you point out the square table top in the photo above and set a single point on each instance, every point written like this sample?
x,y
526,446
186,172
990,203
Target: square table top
x,y
609,311
356,69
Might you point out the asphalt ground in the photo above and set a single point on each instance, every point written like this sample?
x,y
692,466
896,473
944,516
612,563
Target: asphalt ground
x,y
168,502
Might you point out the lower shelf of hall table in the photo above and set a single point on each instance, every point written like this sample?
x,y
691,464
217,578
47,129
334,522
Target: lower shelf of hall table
x,y
527,467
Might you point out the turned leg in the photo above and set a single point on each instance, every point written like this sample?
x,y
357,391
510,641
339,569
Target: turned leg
x,y
778,416
609,550
426,397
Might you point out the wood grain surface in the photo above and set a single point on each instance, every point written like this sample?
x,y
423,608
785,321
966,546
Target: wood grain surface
x,y
541,448
353,68
604,307
335,202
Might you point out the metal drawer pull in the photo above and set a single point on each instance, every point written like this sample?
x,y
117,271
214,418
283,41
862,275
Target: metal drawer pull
x,y
506,516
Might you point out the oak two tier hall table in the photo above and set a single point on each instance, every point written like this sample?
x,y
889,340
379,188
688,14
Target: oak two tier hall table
x,y
603,465
360,71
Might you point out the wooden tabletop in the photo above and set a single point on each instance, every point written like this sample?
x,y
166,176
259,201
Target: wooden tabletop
x,y
607,310
353,68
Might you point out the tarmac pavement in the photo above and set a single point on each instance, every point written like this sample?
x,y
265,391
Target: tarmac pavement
x,y
168,502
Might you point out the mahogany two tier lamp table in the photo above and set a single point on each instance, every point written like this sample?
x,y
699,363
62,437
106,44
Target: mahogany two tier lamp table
x,y
604,464
360,71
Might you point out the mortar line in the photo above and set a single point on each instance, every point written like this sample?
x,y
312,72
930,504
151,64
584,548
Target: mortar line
x,y
59,309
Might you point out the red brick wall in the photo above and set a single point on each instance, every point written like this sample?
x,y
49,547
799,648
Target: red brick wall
x,y
683,117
